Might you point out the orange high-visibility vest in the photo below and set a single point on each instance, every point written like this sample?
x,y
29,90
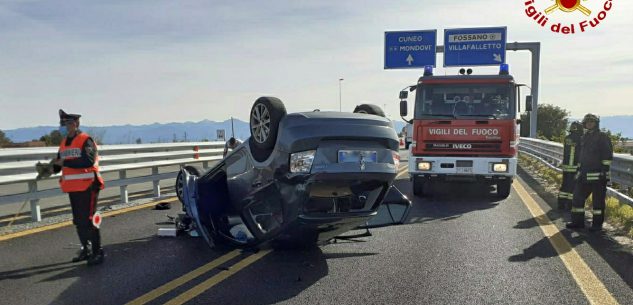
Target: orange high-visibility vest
x,y
77,179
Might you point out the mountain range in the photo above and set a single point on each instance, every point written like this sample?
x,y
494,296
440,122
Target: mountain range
x,y
206,130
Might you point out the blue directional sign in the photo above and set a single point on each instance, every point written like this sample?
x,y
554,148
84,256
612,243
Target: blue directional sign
x,y
410,49
475,47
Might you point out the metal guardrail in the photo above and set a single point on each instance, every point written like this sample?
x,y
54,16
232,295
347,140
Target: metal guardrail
x,y
17,166
551,153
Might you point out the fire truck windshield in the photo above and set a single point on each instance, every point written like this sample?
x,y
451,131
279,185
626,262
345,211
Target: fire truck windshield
x,y
465,101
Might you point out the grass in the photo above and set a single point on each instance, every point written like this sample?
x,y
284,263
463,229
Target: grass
x,y
618,214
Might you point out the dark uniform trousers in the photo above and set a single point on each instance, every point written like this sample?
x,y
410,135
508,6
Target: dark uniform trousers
x,y
596,185
566,192
84,206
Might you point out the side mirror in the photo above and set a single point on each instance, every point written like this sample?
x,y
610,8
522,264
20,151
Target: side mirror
x,y
528,103
393,210
403,108
404,94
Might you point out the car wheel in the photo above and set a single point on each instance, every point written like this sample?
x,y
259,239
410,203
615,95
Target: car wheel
x,y
503,188
369,109
418,186
180,180
266,114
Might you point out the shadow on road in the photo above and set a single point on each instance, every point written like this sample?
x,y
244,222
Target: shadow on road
x,y
32,271
448,201
279,276
544,249
132,269
619,257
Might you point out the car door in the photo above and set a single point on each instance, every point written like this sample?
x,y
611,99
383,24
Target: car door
x,y
190,202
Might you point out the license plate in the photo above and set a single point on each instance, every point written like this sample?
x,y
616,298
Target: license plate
x,y
355,156
464,170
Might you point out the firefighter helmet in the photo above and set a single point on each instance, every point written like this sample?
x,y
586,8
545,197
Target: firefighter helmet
x,y
575,126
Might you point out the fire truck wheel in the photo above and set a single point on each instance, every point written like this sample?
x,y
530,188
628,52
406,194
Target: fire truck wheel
x,y
503,188
418,186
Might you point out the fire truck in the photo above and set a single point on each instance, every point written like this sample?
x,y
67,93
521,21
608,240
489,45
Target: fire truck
x,y
464,129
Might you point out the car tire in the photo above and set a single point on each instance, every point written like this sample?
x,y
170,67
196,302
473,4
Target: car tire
x,y
180,183
406,145
503,188
369,109
418,186
265,116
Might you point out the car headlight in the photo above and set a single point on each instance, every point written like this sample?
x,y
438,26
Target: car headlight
x,y
424,165
499,167
301,162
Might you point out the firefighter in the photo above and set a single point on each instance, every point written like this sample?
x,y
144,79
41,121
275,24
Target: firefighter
x,y
571,153
77,159
231,144
593,174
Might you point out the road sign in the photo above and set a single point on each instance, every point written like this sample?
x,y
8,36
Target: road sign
x,y
410,49
220,134
475,47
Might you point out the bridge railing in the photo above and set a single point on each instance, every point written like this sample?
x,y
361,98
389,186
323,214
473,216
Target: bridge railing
x,y
551,153
17,167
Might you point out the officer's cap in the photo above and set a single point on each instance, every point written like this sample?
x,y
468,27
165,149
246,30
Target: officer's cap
x,y
66,117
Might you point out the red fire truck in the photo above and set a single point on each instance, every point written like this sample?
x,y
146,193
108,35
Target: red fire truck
x,y
464,129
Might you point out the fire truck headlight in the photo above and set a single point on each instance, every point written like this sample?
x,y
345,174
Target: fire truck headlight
x,y
499,167
424,165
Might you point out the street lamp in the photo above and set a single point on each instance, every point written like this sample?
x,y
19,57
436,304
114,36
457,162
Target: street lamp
x,y
339,94
519,94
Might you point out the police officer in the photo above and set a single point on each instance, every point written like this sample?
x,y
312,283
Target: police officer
x,y
571,154
593,174
77,159
232,143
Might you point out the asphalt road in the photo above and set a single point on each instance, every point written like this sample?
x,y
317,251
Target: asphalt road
x,y
460,246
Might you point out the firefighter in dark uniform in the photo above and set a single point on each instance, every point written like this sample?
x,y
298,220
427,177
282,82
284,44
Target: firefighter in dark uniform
x,y
77,159
571,154
593,174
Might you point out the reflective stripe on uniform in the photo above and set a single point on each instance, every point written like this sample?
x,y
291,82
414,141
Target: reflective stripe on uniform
x,y
606,162
571,155
565,195
597,212
79,176
578,210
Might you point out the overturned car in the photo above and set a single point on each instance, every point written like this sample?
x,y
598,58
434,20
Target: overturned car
x,y
306,177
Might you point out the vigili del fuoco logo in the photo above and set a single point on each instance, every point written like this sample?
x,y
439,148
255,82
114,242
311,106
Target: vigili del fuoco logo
x,y
588,13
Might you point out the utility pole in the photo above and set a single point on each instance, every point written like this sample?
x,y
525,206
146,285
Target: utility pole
x,y
339,95
232,129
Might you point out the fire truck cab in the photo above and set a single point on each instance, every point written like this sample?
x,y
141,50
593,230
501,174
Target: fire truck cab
x,y
464,129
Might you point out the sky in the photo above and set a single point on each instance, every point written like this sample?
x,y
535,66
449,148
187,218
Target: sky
x,y
141,62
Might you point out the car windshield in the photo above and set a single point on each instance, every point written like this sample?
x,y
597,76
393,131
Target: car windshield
x,y
465,101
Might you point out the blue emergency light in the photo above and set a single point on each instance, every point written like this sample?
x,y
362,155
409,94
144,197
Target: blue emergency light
x,y
428,70
504,69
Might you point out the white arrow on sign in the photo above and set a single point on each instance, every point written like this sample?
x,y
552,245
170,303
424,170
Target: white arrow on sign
x,y
497,57
409,59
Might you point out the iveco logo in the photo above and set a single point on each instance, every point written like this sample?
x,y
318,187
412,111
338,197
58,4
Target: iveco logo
x,y
462,146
